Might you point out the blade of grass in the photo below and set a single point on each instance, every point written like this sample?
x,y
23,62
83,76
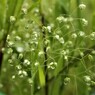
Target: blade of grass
x,y
18,7
41,76
2,13
79,15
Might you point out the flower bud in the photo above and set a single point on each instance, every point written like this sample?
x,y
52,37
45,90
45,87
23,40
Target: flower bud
x,y
12,19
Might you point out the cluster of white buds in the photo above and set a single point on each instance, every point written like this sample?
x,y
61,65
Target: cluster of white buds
x,y
67,26
81,53
65,52
3,49
87,79
93,52
49,29
27,26
66,80
12,19
44,28
18,67
92,36
81,33
36,11
93,83
40,53
82,6
52,65
10,50
13,77
69,44
74,35
48,48
61,19
13,32
17,38
60,39
20,56
24,10
84,22
10,43
27,35
8,37
22,73
47,42
38,87
10,61
36,63
30,81
20,49
26,62
70,19
90,57
35,34
57,37
32,49
66,57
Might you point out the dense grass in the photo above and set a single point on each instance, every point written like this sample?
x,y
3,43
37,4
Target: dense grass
x,y
47,47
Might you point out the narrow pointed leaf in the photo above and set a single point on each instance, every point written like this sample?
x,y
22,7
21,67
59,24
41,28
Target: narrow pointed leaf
x,y
2,13
41,76
18,7
59,66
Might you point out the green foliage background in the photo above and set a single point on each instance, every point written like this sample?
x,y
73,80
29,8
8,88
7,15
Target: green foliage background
x,y
43,55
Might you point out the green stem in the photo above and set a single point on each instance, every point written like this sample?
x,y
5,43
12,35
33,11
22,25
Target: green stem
x,y
45,54
1,58
43,21
79,14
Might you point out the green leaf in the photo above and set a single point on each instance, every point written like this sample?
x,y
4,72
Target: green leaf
x,y
2,13
59,66
62,7
11,4
33,5
56,87
93,22
13,9
18,7
41,76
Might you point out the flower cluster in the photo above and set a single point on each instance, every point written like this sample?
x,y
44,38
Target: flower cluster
x,y
52,65
12,19
26,62
82,6
66,80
